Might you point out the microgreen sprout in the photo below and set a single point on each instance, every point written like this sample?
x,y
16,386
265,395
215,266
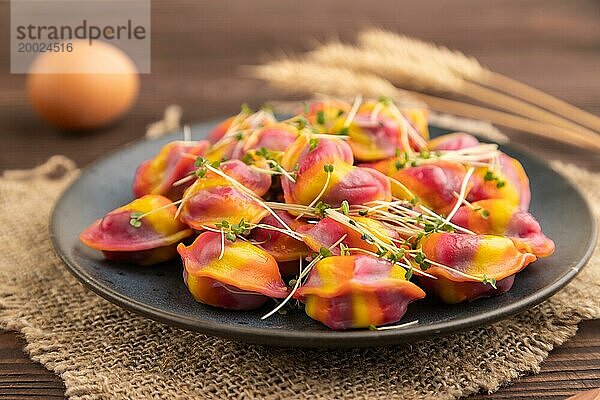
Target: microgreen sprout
x,y
353,111
482,155
487,280
232,231
491,176
345,207
135,217
303,274
325,252
321,117
202,163
344,250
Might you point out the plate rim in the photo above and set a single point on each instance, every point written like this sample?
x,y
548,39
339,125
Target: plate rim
x,y
326,338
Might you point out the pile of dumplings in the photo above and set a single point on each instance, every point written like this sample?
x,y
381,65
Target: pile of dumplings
x,y
351,203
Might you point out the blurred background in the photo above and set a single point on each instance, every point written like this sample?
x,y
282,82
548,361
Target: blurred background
x,y
198,46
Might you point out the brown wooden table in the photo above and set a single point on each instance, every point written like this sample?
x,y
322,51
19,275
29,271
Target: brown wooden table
x,y
197,46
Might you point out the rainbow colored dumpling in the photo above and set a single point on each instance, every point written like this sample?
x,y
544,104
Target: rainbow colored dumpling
x,y
510,182
126,234
472,259
243,121
356,291
328,231
325,115
238,276
212,198
281,246
274,138
314,159
375,130
503,217
453,141
433,183
174,162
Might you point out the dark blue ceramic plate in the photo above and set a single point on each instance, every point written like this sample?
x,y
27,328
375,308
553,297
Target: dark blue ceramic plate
x,y
159,293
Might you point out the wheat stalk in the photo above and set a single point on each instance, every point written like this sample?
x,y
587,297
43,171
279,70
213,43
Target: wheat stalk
x,y
469,69
417,72
300,76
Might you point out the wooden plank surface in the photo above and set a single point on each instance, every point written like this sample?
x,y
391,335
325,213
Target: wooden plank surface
x,y
198,46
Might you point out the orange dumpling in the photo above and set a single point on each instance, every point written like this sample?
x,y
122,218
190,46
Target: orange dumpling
x,y
357,291
238,276
213,199
141,232
493,258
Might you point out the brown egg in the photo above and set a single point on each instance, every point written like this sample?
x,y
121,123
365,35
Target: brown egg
x,y
87,88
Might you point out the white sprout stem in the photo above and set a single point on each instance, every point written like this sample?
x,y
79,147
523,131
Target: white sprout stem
x,y
404,138
461,196
294,289
376,110
229,138
406,266
292,207
460,273
405,325
187,133
419,141
343,219
301,275
282,170
466,203
184,180
157,209
352,114
294,235
330,136
186,196
211,229
402,186
337,242
222,244
249,193
457,227
321,193
263,170
397,207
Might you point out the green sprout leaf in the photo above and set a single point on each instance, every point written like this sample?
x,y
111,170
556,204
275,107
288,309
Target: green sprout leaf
x,y
328,168
345,207
135,219
491,281
321,118
325,252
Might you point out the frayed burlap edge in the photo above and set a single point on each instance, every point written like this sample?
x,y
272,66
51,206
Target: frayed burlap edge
x,y
102,351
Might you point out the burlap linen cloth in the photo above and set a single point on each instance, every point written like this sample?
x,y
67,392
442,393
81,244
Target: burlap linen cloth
x,y
104,352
